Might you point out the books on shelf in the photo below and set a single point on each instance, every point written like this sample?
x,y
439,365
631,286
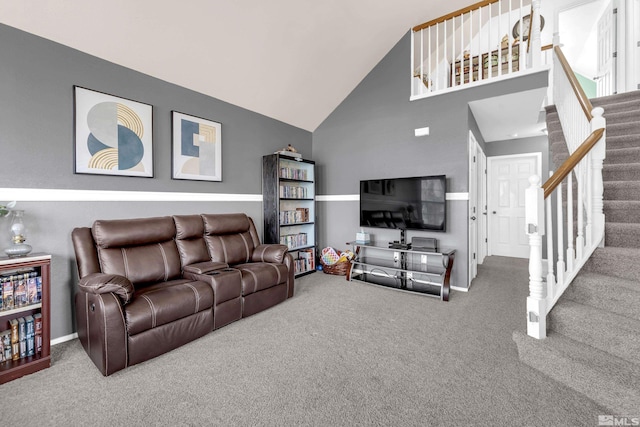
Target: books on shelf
x,y
20,289
5,345
24,339
294,240
299,215
293,192
37,326
305,261
294,173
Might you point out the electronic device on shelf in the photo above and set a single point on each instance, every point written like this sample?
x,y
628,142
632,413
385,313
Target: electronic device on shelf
x,y
426,244
397,245
417,203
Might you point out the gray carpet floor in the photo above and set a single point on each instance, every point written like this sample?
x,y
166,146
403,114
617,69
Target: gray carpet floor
x,y
337,354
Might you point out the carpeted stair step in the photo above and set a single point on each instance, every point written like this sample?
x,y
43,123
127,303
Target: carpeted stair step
x,y
619,296
621,190
621,129
627,211
618,262
623,141
553,125
620,107
623,155
622,235
598,328
621,171
623,115
603,101
580,367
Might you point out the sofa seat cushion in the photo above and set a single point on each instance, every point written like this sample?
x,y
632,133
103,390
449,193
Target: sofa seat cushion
x,y
257,276
166,302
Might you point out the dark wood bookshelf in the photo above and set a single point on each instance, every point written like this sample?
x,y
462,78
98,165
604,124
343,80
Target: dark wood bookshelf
x,y
274,169
13,369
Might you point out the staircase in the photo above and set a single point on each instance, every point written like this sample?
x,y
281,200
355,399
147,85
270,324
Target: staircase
x,y
593,342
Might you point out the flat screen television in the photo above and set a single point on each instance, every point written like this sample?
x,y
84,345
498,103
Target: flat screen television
x,y
416,203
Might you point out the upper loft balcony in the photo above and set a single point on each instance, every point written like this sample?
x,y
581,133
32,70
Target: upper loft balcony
x,y
485,42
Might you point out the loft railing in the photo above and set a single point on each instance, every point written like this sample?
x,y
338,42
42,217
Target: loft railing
x,y
579,213
475,44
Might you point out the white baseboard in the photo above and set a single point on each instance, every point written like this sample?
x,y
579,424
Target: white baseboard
x,y
64,339
456,288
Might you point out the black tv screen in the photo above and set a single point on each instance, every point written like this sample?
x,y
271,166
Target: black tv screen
x,y
404,203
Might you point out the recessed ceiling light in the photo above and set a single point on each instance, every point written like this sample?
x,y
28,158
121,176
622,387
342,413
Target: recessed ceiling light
x,y
514,135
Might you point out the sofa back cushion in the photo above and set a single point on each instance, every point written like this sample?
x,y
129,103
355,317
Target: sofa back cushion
x,y
86,252
190,239
230,238
143,250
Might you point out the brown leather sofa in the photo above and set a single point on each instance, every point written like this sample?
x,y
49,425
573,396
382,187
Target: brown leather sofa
x,y
150,285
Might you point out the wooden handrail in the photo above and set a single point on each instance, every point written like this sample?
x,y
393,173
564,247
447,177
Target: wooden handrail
x,y
546,47
568,165
573,81
452,14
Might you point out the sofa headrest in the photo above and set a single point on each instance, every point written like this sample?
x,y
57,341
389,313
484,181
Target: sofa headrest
x,y
118,233
188,226
217,224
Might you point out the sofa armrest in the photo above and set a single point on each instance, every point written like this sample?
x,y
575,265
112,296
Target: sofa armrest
x,y
101,283
205,267
269,253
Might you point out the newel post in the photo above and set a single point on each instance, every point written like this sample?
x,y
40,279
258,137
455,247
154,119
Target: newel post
x,y
598,154
534,227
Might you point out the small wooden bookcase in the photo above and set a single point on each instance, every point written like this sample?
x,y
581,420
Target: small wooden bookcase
x,y
41,264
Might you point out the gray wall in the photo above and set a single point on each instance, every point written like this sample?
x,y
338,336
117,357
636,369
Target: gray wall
x,y
36,141
370,135
535,144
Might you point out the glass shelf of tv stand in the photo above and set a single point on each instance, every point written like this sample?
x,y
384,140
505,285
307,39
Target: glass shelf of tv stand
x,y
404,269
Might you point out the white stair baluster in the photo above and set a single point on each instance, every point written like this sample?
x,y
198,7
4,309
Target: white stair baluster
x,y
430,67
444,47
571,253
453,50
580,205
560,267
499,38
598,154
471,46
551,280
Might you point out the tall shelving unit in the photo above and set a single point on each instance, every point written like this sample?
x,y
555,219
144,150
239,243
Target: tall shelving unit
x,y
288,189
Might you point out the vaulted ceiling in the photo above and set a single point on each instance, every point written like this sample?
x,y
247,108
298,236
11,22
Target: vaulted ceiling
x,y
292,60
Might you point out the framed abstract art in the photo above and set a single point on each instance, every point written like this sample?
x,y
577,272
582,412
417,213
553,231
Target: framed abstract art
x,y
112,135
197,148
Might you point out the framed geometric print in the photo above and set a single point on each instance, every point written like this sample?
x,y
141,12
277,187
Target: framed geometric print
x,y
113,136
197,148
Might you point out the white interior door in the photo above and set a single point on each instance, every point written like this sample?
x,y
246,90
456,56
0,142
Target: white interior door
x,y
482,206
474,150
508,180
633,52
606,80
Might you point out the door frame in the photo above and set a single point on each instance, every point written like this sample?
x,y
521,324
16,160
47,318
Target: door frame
x,y
477,191
490,161
483,211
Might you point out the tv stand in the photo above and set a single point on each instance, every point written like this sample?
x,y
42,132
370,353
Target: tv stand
x,y
419,271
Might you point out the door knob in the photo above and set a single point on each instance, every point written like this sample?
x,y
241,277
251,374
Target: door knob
x,y
494,212
473,218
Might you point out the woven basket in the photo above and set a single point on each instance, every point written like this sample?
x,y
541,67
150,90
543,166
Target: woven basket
x,y
340,268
